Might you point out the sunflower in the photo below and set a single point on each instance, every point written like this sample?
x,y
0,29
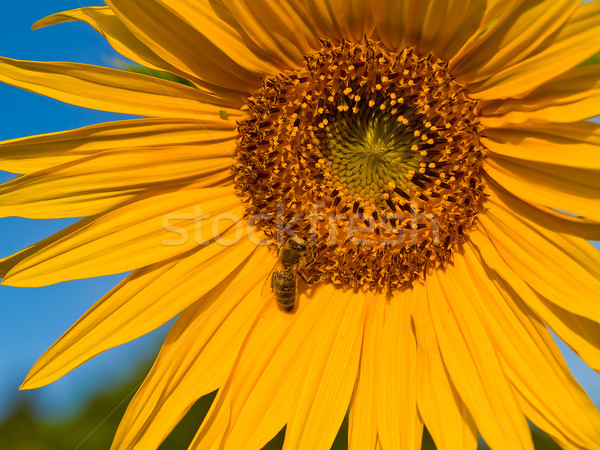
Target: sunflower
x,y
376,209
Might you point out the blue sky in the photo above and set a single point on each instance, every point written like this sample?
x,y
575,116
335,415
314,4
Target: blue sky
x,y
32,319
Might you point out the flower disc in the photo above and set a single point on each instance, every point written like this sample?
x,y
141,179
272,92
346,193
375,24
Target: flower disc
x,y
372,156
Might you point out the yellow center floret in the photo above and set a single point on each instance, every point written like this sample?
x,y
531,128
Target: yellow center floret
x,y
371,156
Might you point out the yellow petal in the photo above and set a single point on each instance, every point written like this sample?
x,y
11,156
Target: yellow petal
x,y
431,24
337,19
390,20
353,17
279,28
34,153
99,182
418,14
554,402
326,390
281,360
226,34
6,264
162,28
572,96
105,22
112,90
567,144
142,302
564,188
581,334
467,23
553,265
444,413
556,221
133,236
473,363
197,356
362,427
438,26
495,13
575,42
61,358
577,247
518,32
398,424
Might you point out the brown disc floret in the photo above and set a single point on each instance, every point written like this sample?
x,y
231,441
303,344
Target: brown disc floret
x,y
370,155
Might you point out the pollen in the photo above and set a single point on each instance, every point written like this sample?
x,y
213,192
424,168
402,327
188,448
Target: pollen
x,y
383,192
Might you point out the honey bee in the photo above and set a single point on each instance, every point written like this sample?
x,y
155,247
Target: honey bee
x,y
295,254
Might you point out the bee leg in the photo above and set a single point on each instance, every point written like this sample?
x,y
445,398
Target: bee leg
x,y
309,280
308,260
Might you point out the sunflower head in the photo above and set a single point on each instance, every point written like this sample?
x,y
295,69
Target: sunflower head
x,y
423,150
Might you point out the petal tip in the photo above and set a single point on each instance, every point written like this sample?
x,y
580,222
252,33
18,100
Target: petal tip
x,y
28,384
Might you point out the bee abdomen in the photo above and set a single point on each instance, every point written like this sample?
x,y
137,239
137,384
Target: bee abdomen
x,y
284,287
287,301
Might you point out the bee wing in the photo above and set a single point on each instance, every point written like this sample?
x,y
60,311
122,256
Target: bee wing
x,y
266,291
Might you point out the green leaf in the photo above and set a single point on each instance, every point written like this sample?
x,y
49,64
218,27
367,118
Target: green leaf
x,y
591,61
